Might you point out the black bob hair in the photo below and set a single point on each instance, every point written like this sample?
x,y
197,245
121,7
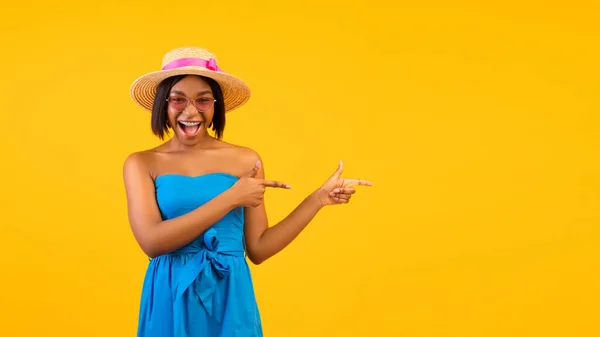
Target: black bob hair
x,y
160,119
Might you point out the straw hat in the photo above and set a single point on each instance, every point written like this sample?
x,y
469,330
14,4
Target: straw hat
x,y
193,61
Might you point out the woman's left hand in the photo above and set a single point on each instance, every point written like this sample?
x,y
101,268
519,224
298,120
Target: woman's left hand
x,y
337,190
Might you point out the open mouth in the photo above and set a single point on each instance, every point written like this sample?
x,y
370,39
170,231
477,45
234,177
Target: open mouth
x,y
189,129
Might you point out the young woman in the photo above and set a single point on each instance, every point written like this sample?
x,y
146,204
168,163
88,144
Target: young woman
x,y
195,204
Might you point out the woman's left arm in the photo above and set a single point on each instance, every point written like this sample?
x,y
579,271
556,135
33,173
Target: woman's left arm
x,y
263,241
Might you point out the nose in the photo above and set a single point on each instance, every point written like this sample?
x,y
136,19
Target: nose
x,y
190,110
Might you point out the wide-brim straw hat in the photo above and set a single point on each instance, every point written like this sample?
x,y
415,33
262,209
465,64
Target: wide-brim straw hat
x,y
190,61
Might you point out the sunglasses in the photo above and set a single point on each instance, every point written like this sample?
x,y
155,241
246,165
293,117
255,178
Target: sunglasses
x,y
180,103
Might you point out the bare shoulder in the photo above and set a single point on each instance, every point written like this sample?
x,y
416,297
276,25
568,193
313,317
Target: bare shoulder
x,y
247,155
243,157
238,150
138,163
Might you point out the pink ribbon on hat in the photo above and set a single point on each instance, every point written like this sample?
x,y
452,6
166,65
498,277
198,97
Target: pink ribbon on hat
x,y
210,64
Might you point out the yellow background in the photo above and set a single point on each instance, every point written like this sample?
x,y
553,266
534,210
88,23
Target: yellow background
x,y
477,123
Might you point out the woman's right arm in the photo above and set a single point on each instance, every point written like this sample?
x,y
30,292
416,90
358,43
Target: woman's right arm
x,y
154,235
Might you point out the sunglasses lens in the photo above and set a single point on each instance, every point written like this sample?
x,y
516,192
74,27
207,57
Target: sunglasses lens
x,y
203,103
178,102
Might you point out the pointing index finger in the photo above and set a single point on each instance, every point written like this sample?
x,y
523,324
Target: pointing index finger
x,y
278,184
359,182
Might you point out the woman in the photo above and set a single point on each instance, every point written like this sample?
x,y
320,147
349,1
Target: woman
x,y
195,204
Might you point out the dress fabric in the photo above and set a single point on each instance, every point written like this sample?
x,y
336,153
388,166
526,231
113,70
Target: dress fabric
x,y
203,289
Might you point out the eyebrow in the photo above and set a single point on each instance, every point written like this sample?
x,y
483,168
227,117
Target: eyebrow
x,y
205,92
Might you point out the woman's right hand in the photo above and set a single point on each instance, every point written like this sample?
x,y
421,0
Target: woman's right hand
x,y
249,191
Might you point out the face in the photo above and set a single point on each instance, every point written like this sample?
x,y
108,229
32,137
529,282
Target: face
x,y
190,109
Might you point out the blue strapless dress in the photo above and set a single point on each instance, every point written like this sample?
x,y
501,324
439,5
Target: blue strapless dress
x,y
203,289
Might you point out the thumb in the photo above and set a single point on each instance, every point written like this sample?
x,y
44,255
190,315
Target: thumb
x,y
339,170
254,170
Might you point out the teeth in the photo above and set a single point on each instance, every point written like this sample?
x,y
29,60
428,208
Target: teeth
x,y
189,123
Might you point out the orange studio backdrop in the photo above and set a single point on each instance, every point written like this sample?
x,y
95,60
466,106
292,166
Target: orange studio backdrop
x,y
478,125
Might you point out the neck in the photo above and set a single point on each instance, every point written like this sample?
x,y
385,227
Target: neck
x,y
202,141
